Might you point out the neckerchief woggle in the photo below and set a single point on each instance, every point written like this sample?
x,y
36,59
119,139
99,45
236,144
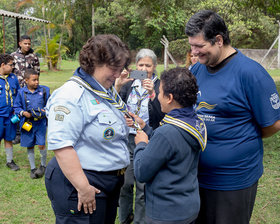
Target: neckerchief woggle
x,y
141,98
84,79
8,90
187,119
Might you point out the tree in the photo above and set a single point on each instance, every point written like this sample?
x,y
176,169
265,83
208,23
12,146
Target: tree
x,y
54,53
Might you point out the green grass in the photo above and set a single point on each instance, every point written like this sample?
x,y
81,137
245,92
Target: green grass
x,y
25,201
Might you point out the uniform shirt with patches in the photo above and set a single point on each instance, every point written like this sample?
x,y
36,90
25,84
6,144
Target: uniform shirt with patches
x,y
25,61
93,127
6,109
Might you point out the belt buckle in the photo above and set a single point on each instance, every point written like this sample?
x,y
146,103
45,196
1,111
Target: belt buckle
x,y
121,172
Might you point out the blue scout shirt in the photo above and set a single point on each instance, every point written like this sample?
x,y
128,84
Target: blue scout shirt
x,y
28,101
235,102
96,129
6,109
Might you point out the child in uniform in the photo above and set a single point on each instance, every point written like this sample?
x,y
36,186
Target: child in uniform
x,y
29,105
168,162
9,87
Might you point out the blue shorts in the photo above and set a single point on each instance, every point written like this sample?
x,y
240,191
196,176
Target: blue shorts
x,y
7,129
36,136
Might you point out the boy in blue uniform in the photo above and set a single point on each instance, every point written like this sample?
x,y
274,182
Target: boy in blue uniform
x,y
8,90
29,105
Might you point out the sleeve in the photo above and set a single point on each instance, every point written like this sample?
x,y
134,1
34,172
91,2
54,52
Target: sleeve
x,y
65,123
18,105
263,97
149,158
36,65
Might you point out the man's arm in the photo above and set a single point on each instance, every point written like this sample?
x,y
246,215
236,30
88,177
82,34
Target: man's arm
x,y
271,130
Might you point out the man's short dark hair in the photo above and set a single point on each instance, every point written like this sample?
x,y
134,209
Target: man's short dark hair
x,y
104,49
24,37
29,72
181,83
210,24
5,58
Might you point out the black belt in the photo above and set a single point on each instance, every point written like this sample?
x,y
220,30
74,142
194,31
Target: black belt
x,y
119,172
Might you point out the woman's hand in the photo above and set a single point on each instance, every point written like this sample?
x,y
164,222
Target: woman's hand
x,y
69,163
86,198
148,84
122,80
141,136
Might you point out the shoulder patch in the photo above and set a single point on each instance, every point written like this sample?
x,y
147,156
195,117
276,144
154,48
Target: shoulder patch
x,y
62,109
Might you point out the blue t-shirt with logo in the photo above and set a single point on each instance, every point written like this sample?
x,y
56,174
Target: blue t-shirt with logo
x,y
235,102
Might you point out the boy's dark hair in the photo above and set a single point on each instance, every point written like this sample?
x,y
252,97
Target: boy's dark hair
x,y
28,72
24,37
105,49
181,83
5,58
210,24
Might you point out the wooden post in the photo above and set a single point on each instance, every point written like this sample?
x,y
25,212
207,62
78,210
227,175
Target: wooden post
x,y
165,43
18,31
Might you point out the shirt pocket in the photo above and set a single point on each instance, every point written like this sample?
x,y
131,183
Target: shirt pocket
x,y
106,118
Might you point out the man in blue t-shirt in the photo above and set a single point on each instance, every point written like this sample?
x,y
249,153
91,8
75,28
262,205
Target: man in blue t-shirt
x,y
239,103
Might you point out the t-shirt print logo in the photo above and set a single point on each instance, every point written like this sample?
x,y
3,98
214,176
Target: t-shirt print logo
x,y
274,100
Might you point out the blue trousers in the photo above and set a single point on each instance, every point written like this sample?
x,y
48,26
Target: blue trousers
x,y
64,197
127,193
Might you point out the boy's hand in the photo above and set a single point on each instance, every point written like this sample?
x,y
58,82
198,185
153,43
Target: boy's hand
x,y
130,122
27,114
141,136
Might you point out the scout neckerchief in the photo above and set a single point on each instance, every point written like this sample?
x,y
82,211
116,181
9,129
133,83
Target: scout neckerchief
x,y
141,98
187,119
90,84
8,90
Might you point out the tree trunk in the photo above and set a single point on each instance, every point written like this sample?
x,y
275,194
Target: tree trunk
x,y
4,50
60,41
46,42
92,22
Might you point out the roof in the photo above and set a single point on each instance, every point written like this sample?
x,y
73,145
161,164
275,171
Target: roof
x,y
21,16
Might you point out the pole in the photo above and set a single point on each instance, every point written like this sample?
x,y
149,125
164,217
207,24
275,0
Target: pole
x,y
18,32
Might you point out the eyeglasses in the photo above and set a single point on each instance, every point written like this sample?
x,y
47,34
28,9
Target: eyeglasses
x,y
12,65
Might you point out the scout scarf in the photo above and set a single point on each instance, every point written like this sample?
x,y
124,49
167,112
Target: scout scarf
x,y
141,98
187,119
8,90
91,84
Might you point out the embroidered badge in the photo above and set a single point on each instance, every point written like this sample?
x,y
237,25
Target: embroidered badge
x,y
62,109
274,100
72,212
94,101
109,133
59,117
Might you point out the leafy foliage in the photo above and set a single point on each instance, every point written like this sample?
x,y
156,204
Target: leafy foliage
x,y
53,48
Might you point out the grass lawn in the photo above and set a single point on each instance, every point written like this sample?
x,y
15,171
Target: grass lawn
x,y
24,201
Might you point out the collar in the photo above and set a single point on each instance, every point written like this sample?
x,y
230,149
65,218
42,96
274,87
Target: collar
x,y
221,64
89,79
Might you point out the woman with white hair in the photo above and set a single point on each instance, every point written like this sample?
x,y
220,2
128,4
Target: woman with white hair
x,y
141,97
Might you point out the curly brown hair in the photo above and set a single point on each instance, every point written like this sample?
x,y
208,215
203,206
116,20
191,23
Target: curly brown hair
x,y
181,83
104,49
